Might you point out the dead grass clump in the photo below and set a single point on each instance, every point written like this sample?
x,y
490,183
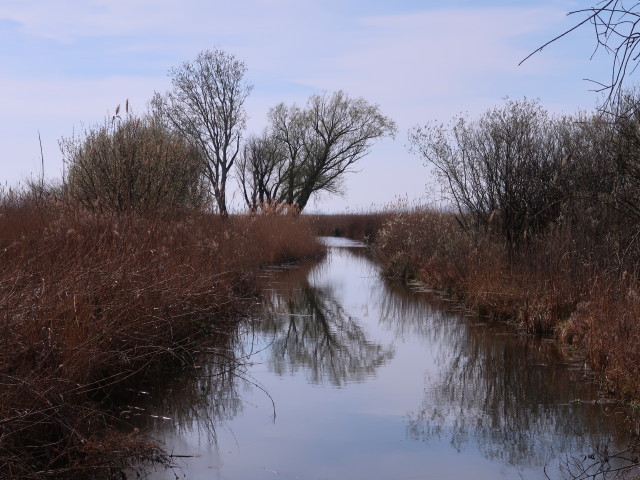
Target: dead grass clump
x,y
606,326
536,286
93,303
106,455
275,239
425,245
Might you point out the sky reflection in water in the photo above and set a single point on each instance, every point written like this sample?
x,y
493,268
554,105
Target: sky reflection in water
x,y
352,377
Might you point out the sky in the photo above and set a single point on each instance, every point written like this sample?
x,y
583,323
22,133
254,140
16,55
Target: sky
x,y
67,64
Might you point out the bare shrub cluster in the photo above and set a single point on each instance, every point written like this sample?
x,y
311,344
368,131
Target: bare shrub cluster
x,y
136,165
545,228
92,303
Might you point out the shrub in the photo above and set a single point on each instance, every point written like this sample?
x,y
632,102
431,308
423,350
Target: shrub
x,y
504,166
427,245
134,165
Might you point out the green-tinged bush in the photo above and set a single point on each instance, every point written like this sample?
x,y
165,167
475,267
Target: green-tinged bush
x,y
136,165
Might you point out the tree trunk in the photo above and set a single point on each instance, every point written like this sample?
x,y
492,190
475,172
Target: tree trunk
x,y
219,194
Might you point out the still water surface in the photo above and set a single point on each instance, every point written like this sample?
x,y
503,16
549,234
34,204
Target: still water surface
x,y
351,377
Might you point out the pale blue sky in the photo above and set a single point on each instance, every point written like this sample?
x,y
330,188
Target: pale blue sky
x,y
65,63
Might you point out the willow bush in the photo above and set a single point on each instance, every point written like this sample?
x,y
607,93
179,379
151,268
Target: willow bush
x,y
134,165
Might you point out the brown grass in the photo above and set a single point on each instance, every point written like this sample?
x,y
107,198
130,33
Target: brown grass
x,y
91,304
561,283
363,227
606,325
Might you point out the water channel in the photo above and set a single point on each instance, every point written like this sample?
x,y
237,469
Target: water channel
x,y
353,377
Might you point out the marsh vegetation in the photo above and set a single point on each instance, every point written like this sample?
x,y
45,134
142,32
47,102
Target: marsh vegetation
x,y
94,305
540,227
133,268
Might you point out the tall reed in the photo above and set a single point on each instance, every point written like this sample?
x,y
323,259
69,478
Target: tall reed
x,y
558,283
92,304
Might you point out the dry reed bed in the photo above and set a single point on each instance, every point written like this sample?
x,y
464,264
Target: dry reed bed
x,y
556,284
362,227
91,304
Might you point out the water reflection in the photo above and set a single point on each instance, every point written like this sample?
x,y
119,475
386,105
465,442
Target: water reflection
x,y
200,401
420,384
519,400
312,331
511,399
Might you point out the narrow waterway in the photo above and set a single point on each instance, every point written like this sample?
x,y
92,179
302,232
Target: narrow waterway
x,y
350,377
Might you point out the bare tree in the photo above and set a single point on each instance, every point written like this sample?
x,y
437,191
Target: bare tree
x,y
288,128
323,142
261,170
206,105
617,32
507,168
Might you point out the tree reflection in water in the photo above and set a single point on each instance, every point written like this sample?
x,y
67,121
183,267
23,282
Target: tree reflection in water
x,y
517,401
520,400
311,331
304,327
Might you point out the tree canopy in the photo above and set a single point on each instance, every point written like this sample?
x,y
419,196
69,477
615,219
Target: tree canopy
x,y
206,106
309,150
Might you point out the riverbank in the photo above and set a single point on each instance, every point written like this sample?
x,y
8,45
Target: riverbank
x,y
555,285
93,304
385,382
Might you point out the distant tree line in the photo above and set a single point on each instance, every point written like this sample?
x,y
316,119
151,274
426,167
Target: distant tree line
x,y
193,138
